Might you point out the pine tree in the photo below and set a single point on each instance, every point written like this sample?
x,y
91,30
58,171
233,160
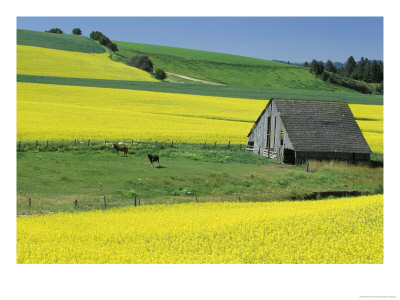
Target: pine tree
x,y
320,67
375,71
314,67
330,67
350,66
367,74
359,70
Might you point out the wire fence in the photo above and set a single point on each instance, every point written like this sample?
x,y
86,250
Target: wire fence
x,y
65,145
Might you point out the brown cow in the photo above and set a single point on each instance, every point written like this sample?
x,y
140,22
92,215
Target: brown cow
x,y
121,148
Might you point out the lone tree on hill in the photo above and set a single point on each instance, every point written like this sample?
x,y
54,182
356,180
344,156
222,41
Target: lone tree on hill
x,y
160,74
142,62
77,31
55,30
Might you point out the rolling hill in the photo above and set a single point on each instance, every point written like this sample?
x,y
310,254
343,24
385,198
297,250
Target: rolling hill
x,y
227,69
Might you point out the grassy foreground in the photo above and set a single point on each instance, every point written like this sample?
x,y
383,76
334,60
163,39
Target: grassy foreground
x,y
339,231
56,177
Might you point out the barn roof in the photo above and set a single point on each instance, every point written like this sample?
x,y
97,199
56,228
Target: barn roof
x,y
324,126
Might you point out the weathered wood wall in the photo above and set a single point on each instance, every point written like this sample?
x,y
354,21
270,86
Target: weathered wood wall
x,y
259,134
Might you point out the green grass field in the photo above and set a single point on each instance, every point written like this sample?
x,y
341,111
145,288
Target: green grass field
x,y
216,57
226,69
208,90
55,177
67,42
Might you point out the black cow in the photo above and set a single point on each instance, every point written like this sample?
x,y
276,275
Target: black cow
x,y
154,158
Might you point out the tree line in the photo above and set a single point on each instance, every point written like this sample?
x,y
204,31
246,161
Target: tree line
x,y
364,70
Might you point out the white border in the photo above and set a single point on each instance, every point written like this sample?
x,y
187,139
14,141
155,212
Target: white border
x,y
203,281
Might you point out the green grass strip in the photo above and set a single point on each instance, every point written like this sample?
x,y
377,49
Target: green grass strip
x,y
207,90
66,42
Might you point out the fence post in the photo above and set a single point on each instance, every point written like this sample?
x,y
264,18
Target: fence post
x,y
139,201
239,198
172,144
105,142
229,144
105,204
88,143
131,142
62,143
47,144
76,203
204,145
195,197
75,142
36,144
240,147
135,201
30,203
19,146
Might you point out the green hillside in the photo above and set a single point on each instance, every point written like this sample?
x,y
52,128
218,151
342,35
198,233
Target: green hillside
x,y
200,55
226,68
67,42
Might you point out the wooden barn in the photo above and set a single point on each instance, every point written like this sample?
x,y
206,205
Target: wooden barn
x,y
294,131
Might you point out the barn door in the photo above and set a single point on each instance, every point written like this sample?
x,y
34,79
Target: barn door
x,y
288,156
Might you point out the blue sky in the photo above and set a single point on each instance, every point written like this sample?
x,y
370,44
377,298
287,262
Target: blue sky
x,y
294,39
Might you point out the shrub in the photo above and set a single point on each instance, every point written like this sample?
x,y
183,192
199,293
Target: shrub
x,y
112,46
160,74
95,35
142,62
324,76
103,40
77,31
379,88
55,30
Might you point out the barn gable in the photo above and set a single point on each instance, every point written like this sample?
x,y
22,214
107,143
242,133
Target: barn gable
x,y
307,129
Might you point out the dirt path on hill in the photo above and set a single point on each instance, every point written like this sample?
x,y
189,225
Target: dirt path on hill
x,y
193,79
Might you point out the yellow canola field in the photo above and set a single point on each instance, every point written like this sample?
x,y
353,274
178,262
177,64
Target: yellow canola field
x,y
370,120
50,62
347,230
55,112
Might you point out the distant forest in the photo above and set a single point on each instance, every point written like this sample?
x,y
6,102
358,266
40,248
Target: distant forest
x,y
365,76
